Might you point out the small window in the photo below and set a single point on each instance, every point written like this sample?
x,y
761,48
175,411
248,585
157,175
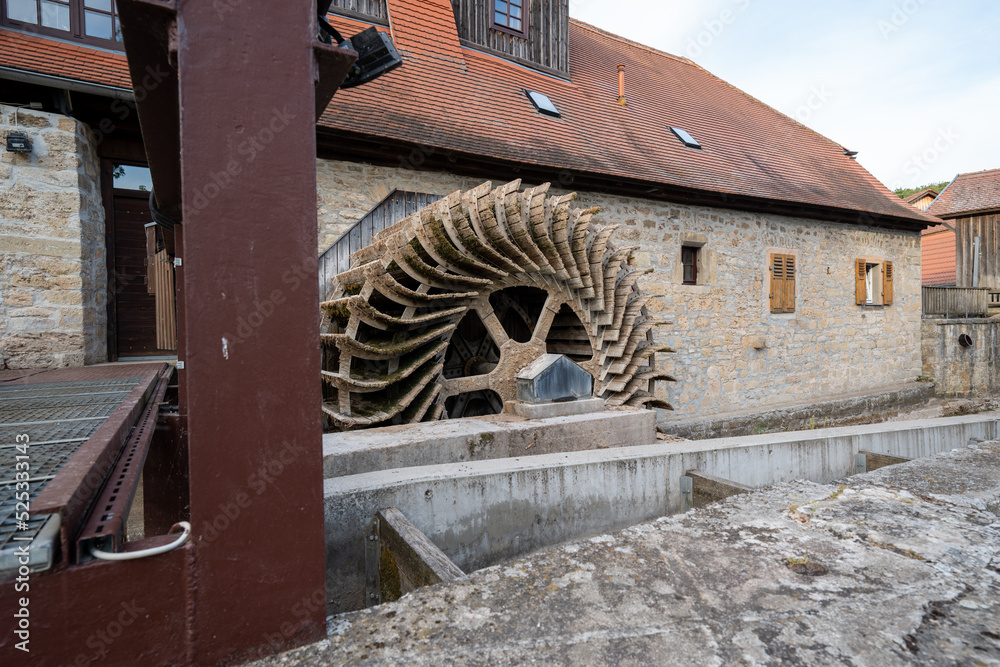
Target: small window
x,y
873,283
689,262
509,15
782,296
543,104
686,138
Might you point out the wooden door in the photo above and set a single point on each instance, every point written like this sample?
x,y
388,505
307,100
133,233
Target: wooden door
x,y
134,306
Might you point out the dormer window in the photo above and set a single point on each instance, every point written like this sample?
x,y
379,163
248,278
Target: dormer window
x,y
508,15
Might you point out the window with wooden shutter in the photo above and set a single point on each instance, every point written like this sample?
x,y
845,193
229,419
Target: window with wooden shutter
x,y
782,296
887,284
860,287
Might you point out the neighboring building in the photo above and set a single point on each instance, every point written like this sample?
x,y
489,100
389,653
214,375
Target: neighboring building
x,y
921,200
971,203
789,272
937,255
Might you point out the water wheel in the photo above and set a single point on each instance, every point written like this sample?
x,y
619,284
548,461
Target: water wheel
x,y
436,317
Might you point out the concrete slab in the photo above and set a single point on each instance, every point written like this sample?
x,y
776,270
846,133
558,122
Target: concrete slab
x,y
895,567
483,512
560,409
481,439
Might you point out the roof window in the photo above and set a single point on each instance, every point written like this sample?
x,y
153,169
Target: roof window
x,y
686,138
544,104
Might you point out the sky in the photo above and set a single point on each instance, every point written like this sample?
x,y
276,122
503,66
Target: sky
x,y
913,85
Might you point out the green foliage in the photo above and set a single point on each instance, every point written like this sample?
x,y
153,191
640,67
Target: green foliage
x,y
903,193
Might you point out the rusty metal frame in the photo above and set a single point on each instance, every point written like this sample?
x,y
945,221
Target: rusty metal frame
x,y
105,527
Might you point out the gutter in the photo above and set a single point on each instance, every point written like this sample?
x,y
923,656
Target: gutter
x,y
72,85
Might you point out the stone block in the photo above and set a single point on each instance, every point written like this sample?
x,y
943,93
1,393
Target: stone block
x,y
561,409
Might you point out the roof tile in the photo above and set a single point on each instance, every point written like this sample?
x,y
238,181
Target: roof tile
x,y
969,193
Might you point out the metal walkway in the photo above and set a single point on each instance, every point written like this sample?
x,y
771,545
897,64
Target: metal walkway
x,y
46,419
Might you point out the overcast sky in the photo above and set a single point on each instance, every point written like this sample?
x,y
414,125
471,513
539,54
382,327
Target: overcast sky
x,y
914,85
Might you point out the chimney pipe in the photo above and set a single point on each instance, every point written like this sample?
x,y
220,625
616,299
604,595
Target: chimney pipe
x,y
621,85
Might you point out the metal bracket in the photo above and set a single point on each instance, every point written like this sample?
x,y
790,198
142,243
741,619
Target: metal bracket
x,y
373,556
860,463
177,261
687,493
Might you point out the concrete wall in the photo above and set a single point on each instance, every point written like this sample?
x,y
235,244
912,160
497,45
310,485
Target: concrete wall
x,y
53,273
828,346
958,370
484,512
482,439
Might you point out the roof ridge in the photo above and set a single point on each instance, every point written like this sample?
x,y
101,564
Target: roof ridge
x,y
978,173
659,52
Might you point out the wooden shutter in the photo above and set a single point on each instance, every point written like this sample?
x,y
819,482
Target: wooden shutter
x,y
782,296
777,268
860,292
789,296
166,310
887,284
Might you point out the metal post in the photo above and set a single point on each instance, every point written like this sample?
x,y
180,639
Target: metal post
x,y
975,262
249,393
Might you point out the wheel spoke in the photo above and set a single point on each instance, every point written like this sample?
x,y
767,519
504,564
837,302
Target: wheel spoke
x,y
496,329
545,320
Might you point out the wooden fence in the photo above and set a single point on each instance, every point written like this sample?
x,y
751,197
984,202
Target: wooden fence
x,y
337,258
956,301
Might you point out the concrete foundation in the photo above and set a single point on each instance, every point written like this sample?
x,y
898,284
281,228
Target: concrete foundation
x,y
842,410
481,439
480,513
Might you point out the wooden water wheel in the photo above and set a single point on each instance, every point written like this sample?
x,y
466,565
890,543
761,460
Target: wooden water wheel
x,y
440,312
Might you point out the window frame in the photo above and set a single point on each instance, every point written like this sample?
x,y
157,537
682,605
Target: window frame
x,y
879,273
694,252
77,25
500,27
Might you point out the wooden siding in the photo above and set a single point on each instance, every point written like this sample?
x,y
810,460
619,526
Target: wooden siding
x,y
373,11
937,257
545,47
955,301
337,258
986,228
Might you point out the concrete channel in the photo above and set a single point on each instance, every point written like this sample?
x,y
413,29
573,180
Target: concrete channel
x,y
482,512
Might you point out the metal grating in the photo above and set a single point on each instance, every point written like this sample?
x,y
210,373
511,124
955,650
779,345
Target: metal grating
x,y
58,417
45,460
63,400
36,416
70,387
49,432
8,521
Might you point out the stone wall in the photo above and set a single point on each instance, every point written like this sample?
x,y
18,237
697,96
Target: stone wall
x,y
959,370
732,353
53,275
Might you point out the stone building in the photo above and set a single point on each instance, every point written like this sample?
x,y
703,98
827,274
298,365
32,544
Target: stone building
x,y
787,271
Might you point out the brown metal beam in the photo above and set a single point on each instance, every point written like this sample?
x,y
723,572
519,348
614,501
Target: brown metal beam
x,y
149,31
248,326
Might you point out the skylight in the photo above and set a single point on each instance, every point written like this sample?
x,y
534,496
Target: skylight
x,y
543,104
686,138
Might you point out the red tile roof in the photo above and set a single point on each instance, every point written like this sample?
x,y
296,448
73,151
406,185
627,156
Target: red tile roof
x,y
458,99
41,55
978,192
